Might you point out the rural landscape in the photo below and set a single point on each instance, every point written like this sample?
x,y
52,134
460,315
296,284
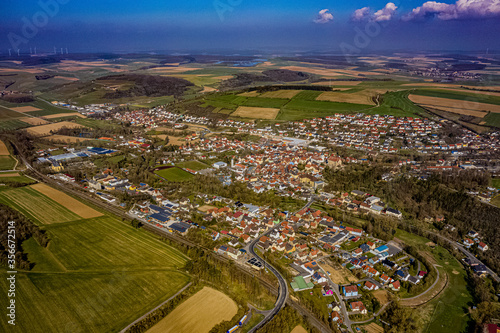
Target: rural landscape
x,y
204,176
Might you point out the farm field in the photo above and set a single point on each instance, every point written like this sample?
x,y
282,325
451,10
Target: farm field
x,y
65,138
36,206
373,328
62,115
281,94
255,112
44,130
472,108
93,270
447,312
199,313
382,296
470,97
34,121
65,200
362,97
3,149
7,163
26,109
174,174
193,165
15,178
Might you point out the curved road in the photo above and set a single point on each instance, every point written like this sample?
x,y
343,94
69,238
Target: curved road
x,y
282,290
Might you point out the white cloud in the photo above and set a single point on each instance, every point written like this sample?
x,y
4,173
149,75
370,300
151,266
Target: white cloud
x,y
462,9
323,16
361,14
384,14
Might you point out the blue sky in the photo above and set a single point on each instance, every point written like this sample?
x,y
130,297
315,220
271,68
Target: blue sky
x,y
277,25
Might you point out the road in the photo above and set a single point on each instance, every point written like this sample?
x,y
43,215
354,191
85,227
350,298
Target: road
x,y
283,286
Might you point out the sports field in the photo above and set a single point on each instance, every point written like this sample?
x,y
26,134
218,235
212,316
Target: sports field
x,y
193,165
93,270
199,313
174,174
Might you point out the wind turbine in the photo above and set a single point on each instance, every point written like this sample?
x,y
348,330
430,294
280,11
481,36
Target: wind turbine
x,y
18,51
31,51
35,50
66,50
10,53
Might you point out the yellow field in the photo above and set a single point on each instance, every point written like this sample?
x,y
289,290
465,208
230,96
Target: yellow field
x,y
338,83
25,109
467,112
374,328
199,313
281,94
249,94
299,329
225,77
174,140
4,175
361,97
3,149
253,112
208,89
61,115
65,200
462,107
205,208
381,296
33,121
45,129
65,138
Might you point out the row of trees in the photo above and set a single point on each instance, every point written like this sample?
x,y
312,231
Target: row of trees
x,y
24,230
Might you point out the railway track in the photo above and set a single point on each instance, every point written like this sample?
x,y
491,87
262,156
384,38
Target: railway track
x,y
282,297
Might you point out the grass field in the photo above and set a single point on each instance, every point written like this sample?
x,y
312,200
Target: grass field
x,y
495,182
93,270
199,313
15,178
492,119
174,174
193,165
447,312
7,163
459,95
36,206
65,200
281,94
397,104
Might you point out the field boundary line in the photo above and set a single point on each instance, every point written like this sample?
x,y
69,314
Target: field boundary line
x,y
156,308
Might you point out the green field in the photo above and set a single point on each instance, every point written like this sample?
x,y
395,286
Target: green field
x,y
448,312
39,208
193,165
495,182
397,104
46,108
96,275
174,174
17,179
492,119
7,163
463,96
